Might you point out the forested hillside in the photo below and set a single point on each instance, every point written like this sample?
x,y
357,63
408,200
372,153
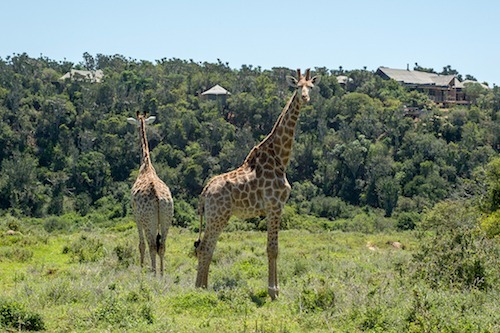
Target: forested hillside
x,y
65,146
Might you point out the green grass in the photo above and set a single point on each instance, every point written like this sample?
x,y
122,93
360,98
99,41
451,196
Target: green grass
x,y
90,281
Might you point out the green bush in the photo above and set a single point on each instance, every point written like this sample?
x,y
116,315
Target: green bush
x,y
316,299
16,254
13,315
490,224
365,222
452,252
125,254
55,223
330,207
125,308
407,220
85,249
185,215
11,223
195,301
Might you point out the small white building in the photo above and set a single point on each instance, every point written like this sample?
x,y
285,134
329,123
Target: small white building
x,y
216,92
80,75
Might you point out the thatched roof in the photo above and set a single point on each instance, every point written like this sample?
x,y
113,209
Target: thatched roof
x,y
80,75
419,78
216,90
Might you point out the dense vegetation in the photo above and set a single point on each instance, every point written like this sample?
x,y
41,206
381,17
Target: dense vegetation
x,y
65,146
363,172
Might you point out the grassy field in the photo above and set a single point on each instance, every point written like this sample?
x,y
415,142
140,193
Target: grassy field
x,y
88,280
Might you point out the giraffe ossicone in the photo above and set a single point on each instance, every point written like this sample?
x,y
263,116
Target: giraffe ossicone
x,y
151,201
258,187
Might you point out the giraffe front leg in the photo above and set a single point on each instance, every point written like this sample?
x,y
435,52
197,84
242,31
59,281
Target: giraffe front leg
x,y
272,253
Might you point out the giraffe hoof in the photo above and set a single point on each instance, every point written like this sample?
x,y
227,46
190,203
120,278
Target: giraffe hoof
x,y
273,292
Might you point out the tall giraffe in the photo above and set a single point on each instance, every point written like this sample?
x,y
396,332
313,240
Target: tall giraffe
x,y
258,187
151,200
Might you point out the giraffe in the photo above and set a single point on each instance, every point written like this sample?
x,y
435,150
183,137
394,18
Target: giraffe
x,y
151,201
257,188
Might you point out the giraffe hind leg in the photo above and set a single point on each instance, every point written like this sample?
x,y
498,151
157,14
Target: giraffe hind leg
x,y
165,221
152,251
206,248
142,243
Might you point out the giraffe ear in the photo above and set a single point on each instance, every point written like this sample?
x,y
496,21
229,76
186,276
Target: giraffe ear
x,y
291,81
132,121
315,80
150,120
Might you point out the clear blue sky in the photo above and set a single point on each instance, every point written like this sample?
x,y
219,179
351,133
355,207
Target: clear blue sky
x,y
288,33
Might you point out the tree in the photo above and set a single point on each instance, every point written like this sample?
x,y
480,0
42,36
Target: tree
x,y
423,69
91,175
492,198
473,91
388,190
19,186
354,144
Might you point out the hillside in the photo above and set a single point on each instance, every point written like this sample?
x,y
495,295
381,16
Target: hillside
x,y
65,145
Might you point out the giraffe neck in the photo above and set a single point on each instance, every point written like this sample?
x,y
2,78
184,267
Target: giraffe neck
x,y
280,140
146,159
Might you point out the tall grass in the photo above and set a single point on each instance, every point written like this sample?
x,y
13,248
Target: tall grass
x,y
89,280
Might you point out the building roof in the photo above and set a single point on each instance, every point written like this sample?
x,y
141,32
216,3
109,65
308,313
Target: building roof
x,y
420,78
216,90
80,75
342,79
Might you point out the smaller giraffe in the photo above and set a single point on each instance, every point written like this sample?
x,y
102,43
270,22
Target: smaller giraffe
x,y
151,201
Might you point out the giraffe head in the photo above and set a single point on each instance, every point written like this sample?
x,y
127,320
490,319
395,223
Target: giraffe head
x,y
303,84
141,123
139,118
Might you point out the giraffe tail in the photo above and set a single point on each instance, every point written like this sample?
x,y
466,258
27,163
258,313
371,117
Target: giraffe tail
x,y
158,235
201,211
158,242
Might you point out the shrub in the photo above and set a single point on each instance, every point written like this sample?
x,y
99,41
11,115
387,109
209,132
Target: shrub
x,y
85,249
407,220
317,300
14,315
490,224
365,223
185,215
114,311
329,207
195,301
452,252
12,223
315,296
54,223
17,254
125,309
125,254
